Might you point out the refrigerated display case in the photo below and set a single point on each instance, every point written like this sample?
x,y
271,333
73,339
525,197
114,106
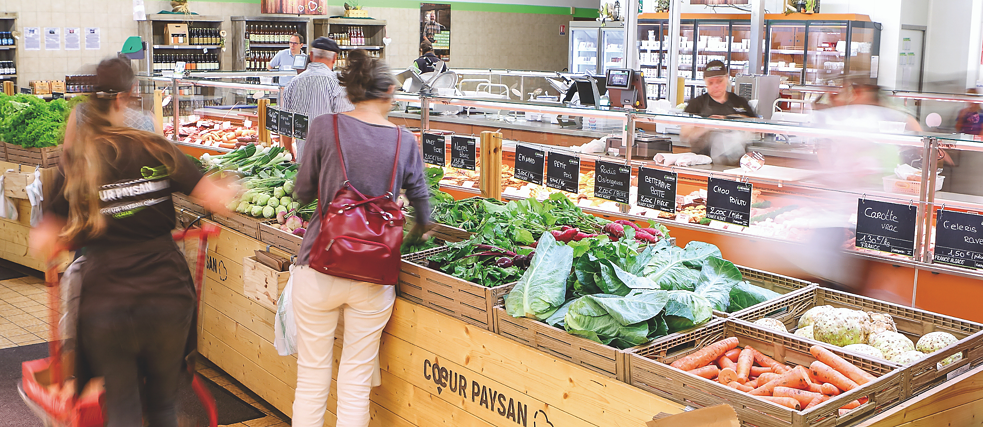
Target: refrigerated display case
x,y
786,51
583,50
596,47
614,49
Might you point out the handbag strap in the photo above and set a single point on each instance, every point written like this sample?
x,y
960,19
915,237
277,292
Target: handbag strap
x,y
344,171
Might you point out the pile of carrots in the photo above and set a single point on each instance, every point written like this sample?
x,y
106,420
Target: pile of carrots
x,y
755,373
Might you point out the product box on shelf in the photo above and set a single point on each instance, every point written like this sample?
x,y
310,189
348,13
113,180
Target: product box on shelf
x,y
241,223
176,34
648,369
262,284
911,322
46,157
470,302
40,87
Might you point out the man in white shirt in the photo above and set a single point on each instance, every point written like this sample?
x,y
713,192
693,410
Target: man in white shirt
x,y
284,59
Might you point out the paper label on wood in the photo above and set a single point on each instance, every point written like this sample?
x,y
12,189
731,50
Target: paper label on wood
x,y
886,227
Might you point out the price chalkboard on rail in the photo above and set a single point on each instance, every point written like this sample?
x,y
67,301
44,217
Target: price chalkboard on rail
x,y
434,150
57,95
886,227
462,152
729,201
529,164
563,172
958,239
657,189
272,119
300,126
286,124
612,181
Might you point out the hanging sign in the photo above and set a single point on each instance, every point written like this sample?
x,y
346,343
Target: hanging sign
x,y
612,181
958,239
300,126
886,227
463,154
434,150
286,127
657,189
563,172
729,201
529,164
272,119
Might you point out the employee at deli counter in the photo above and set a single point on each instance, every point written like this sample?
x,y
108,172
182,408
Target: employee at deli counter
x,y
724,147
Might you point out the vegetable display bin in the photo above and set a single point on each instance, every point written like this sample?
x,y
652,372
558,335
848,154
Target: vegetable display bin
x,y
46,157
648,369
770,281
470,302
912,322
449,234
271,234
262,284
182,201
241,223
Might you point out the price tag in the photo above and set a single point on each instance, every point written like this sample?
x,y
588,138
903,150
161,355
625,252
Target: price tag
x,y
272,119
657,189
434,149
563,172
886,227
179,67
729,201
463,152
57,95
26,90
958,239
226,125
529,164
612,181
247,123
300,126
286,127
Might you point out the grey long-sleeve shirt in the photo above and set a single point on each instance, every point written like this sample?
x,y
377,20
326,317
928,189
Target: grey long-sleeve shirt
x,y
368,151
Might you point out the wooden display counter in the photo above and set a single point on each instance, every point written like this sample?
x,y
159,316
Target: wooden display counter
x,y
14,235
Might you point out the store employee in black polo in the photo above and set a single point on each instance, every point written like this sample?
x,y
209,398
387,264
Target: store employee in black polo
x,y
724,147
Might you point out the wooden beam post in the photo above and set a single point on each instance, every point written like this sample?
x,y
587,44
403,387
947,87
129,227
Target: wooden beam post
x,y
264,135
9,89
159,112
491,165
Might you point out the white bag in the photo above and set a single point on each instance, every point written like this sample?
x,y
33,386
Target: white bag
x,y
284,325
35,194
7,208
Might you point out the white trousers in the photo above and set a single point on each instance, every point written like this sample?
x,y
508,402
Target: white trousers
x,y
318,301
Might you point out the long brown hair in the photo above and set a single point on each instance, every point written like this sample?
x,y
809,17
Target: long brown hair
x,y
87,160
366,78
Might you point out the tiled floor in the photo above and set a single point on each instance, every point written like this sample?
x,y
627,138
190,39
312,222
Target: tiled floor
x,y
24,320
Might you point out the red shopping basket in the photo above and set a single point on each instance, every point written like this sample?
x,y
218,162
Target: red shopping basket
x,y
43,386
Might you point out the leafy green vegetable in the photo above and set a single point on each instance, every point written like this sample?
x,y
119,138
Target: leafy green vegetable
x,y
32,123
744,295
460,261
717,278
542,288
619,321
674,268
686,309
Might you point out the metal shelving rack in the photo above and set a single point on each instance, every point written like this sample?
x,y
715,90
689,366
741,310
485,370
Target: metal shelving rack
x,y
8,22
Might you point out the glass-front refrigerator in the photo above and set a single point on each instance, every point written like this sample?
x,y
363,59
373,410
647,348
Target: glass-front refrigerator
x,y
826,57
786,51
865,43
583,49
613,49
595,47
740,46
711,44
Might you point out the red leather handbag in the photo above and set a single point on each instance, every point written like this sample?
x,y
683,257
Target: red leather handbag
x,y
360,236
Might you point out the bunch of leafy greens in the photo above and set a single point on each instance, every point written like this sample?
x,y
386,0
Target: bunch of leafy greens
x,y
542,289
32,123
467,214
536,218
433,176
463,261
618,321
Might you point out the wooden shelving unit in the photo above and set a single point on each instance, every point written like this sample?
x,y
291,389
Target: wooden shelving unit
x,y
243,48
153,31
8,23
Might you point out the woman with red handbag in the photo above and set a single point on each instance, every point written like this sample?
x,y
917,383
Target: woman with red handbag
x,y
355,164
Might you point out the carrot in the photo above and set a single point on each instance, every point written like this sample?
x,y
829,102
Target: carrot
x,y
830,389
817,401
851,405
844,367
758,370
744,362
832,376
768,376
764,360
753,383
780,369
727,376
784,401
812,376
815,388
804,397
791,379
738,386
733,354
706,355
725,363
709,372
805,372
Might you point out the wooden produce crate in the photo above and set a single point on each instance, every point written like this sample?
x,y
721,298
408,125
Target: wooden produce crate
x,y
46,157
262,284
470,302
271,234
770,281
912,322
3,151
16,181
244,224
449,234
183,201
649,369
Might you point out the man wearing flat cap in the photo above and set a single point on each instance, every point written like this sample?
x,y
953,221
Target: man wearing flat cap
x,y
316,91
724,147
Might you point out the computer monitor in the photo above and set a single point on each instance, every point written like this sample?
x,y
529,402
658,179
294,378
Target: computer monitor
x,y
589,89
619,78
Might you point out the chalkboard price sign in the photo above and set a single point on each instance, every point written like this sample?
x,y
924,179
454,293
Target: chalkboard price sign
x,y
958,239
657,189
57,95
563,172
434,150
286,124
886,227
272,120
729,201
300,126
462,152
612,181
529,164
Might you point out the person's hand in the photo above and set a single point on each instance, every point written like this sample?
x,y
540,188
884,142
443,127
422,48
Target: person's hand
x,y
417,234
45,241
215,193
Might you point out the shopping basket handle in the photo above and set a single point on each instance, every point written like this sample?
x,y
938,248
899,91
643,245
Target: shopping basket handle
x,y
208,230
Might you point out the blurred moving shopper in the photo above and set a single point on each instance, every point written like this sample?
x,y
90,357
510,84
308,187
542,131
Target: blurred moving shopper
x,y
113,196
319,299
724,147
970,119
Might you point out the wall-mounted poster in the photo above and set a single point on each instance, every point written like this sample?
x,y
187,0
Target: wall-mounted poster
x,y
295,7
435,27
